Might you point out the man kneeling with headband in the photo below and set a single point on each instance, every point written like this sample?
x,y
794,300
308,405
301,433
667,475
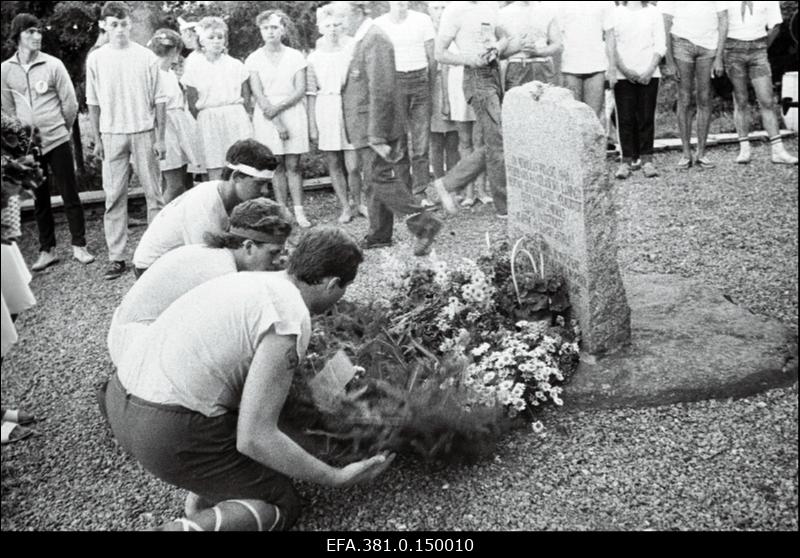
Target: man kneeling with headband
x,y
197,404
206,207
255,242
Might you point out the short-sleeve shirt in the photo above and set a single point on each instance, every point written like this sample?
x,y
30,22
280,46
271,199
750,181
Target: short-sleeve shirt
x,y
218,83
471,24
640,36
695,21
197,354
582,26
532,20
170,277
746,25
409,38
184,220
173,94
125,83
276,80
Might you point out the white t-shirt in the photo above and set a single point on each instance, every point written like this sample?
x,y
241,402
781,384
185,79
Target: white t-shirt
x,y
640,35
184,220
747,26
533,20
409,38
695,21
218,83
582,27
125,83
170,277
197,354
471,25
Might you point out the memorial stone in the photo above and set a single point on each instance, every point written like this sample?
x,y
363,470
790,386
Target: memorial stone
x,y
559,200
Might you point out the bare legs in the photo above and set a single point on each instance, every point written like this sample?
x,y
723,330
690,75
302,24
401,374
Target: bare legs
x,y
174,183
230,515
288,176
698,71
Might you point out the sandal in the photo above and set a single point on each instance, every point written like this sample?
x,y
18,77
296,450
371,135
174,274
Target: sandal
x,y
18,417
684,163
12,432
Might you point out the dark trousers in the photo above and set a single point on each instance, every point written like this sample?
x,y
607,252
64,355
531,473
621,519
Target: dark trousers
x,y
415,90
519,73
59,169
636,111
484,93
387,194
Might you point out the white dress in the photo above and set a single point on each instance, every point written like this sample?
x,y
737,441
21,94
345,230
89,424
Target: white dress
x,y
222,120
181,138
327,72
15,295
277,83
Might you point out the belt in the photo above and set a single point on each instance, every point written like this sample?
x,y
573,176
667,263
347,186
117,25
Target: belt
x,y
529,60
412,72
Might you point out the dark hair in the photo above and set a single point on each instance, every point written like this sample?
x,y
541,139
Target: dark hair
x,y
251,153
119,10
165,41
261,215
325,252
290,37
23,22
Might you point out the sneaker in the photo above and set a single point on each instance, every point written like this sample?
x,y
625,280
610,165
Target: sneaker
x,y
683,163
426,203
784,158
447,200
302,221
636,165
623,172
363,211
486,199
368,244
81,254
704,163
649,170
45,259
115,270
743,158
468,202
422,246
346,216
503,216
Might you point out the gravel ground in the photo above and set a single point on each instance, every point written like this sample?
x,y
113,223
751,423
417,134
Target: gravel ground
x,y
708,465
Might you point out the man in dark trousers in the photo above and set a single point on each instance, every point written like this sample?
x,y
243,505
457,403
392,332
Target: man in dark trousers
x,y
374,124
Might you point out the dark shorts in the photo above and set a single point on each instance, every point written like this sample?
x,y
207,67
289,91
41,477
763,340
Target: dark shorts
x,y
745,59
195,452
686,51
522,72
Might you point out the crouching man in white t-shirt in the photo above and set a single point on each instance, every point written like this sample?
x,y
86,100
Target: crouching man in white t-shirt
x,y
255,241
198,405
206,207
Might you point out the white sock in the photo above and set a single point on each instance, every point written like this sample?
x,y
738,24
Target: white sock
x,y
298,210
777,145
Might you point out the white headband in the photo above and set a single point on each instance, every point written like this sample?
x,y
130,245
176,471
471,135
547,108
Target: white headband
x,y
250,171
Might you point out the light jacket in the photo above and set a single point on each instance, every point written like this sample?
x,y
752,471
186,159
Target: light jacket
x,y
43,97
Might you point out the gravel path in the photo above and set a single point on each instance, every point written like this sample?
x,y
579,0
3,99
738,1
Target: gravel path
x,y
708,465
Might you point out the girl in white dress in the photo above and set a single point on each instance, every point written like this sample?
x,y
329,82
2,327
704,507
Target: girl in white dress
x,y
216,89
327,72
181,135
278,81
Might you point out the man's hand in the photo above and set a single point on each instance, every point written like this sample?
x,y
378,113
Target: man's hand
x,y
98,151
313,133
384,150
160,149
671,69
718,70
363,471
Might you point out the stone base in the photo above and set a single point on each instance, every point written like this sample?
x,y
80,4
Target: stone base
x,y
689,343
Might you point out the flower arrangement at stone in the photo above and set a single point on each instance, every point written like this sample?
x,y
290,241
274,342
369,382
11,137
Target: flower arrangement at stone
x,y
453,359
21,174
